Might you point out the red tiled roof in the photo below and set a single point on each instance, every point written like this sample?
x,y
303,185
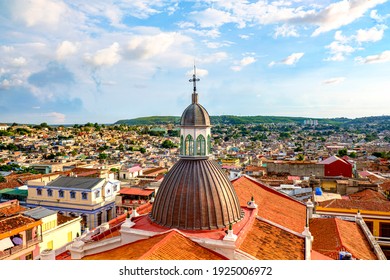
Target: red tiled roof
x,y
136,191
64,256
272,205
265,241
332,235
318,256
370,204
10,208
168,246
385,186
15,224
367,195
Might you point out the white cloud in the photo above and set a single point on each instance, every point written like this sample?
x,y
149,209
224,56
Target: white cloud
x,y
342,13
199,72
65,49
19,61
216,45
285,31
39,12
105,57
54,117
338,51
142,8
336,80
211,33
290,60
3,71
242,63
7,83
7,48
378,58
373,34
214,58
145,47
379,18
212,17
244,37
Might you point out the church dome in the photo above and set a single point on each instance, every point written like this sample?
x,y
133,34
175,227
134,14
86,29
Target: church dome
x,y
196,195
195,115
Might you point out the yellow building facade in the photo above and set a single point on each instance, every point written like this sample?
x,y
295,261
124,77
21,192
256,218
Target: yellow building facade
x,y
92,199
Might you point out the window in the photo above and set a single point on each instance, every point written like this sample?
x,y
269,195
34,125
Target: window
x,y
50,245
370,225
97,194
384,229
182,149
29,235
61,193
115,187
200,146
73,194
84,195
209,143
39,191
99,218
29,256
49,192
84,222
70,236
189,146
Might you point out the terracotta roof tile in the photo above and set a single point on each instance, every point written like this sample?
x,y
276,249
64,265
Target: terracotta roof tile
x,y
383,206
10,208
16,222
332,235
168,246
272,205
368,195
318,256
265,241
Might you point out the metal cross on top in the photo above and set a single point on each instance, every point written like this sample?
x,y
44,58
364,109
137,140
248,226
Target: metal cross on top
x,y
194,79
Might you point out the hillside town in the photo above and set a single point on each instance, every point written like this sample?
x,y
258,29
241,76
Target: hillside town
x,y
62,185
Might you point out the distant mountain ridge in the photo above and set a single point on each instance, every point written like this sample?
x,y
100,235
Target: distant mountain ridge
x,y
230,119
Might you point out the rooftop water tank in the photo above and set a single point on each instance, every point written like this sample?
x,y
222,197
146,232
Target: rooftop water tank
x,y
318,191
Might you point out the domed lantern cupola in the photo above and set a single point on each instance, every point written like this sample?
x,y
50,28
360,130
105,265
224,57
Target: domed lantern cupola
x,y
195,136
196,194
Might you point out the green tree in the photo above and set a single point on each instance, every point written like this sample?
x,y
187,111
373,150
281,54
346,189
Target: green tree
x,y
103,156
167,144
142,150
300,157
353,155
342,152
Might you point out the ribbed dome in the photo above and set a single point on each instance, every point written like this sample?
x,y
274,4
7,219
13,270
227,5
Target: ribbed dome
x,y
196,195
195,115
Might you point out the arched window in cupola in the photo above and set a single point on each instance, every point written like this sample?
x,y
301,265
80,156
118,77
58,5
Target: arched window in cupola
x,y
200,145
189,146
182,148
209,144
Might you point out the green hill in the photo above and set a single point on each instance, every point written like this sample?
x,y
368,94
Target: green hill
x,y
230,119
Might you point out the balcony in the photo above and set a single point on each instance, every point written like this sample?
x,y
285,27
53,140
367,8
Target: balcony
x,y
12,251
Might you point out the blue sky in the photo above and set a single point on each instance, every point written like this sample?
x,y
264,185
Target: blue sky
x,y
100,61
